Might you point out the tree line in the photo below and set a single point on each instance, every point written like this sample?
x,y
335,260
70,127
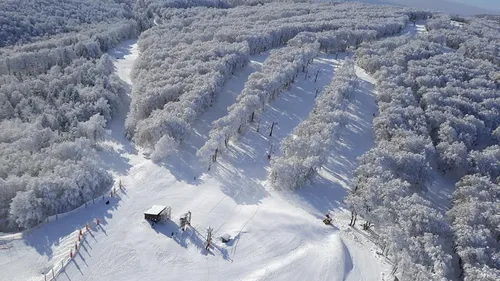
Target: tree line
x,y
438,108
187,58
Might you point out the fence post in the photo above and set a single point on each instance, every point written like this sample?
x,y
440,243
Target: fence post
x,y
53,276
45,275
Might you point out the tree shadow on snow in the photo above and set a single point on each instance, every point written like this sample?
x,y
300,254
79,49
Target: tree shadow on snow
x,y
324,196
115,145
114,161
190,236
327,189
122,49
239,184
45,236
184,164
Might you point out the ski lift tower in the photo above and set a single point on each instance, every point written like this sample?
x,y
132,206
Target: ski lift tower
x,y
185,220
209,238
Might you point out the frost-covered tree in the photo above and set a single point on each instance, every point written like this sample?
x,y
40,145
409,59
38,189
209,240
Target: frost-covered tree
x,y
28,21
277,72
412,231
164,148
306,149
475,221
186,58
45,164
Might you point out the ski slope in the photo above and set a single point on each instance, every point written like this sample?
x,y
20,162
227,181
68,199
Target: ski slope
x,y
276,236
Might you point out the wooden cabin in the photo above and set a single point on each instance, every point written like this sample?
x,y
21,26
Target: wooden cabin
x,y
155,213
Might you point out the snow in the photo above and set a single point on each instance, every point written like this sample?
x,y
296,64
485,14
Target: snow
x,y
275,235
411,30
123,57
447,6
155,210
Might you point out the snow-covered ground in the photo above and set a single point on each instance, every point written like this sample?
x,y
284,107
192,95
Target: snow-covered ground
x,y
412,29
275,236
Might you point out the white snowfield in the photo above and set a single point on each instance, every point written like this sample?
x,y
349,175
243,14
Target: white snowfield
x,y
274,235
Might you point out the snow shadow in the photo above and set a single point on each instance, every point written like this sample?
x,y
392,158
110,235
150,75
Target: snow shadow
x,y
115,145
348,264
440,191
45,236
223,251
326,191
168,228
184,165
243,167
240,184
190,236
114,161
323,194
122,49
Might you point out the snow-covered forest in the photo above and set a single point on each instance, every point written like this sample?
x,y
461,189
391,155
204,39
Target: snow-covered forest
x,y
220,41
427,192
439,111
57,91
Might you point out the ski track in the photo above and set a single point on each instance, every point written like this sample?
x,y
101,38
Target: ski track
x,y
276,236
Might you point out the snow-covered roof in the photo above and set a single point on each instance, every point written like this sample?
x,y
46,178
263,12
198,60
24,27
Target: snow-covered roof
x,y
155,210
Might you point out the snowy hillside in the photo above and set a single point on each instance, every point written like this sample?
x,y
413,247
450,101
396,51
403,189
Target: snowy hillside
x,y
283,232
447,6
300,141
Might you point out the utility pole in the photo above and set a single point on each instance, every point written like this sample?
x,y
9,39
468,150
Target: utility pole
x,y
214,157
209,238
354,215
272,128
185,220
270,151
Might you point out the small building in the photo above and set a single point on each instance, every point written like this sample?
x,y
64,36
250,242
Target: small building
x,y
156,213
225,238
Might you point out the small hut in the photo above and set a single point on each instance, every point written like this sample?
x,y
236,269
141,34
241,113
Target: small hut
x,y
225,238
157,213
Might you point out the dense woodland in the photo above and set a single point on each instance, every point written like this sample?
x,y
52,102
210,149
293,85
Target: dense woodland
x,y
438,96
57,91
220,42
439,111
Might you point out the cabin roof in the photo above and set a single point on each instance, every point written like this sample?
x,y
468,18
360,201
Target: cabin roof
x,y
155,210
